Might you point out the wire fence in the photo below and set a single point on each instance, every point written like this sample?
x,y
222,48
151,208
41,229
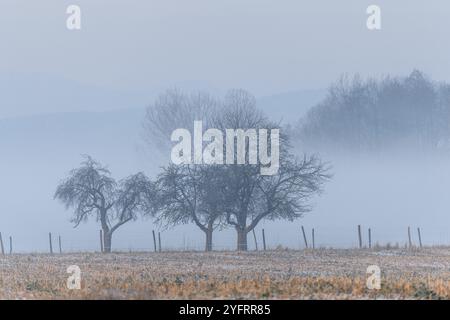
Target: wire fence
x,y
305,237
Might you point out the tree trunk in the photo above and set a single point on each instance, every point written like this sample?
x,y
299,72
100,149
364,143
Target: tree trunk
x,y
209,235
107,234
107,238
241,240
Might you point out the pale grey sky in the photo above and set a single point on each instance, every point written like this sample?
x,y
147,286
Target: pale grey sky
x,y
129,50
265,46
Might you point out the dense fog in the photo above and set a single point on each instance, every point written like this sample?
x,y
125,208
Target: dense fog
x,y
386,191
65,94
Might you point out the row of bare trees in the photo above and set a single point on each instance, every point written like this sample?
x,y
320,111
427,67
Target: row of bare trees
x,y
376,114
211,196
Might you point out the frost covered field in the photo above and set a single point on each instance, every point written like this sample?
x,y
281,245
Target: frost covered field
x,y
279,274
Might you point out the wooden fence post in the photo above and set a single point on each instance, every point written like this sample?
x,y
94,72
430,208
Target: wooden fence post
x,y
264,239
50,242
10,245
370,239
254,237
409,237
359,236
313,239
101,241
59,242
1,244
304,237
420,238
154,239
159,241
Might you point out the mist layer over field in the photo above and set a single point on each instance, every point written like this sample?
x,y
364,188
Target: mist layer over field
x,y
387,192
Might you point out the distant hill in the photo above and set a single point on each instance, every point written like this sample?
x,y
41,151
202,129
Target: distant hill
x,y
112,135
108,135
290,106
34,93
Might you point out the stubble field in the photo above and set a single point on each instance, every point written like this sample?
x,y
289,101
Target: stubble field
x,y
279,274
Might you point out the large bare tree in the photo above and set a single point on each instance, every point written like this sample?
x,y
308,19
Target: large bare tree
x,y
91,191
251,196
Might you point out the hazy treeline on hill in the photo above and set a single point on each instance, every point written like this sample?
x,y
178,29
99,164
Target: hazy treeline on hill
x,y
378,114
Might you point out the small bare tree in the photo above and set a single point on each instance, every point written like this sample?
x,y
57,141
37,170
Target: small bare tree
x,y
191,193
90,190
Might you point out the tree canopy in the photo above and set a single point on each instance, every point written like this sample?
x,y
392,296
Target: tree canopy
x,y
91,191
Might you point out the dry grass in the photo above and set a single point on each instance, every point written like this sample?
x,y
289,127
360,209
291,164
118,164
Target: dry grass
x,y
283,274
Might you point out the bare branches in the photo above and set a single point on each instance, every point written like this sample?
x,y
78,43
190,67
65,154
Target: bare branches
x,y
175,109
189,193
135,195
90,190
